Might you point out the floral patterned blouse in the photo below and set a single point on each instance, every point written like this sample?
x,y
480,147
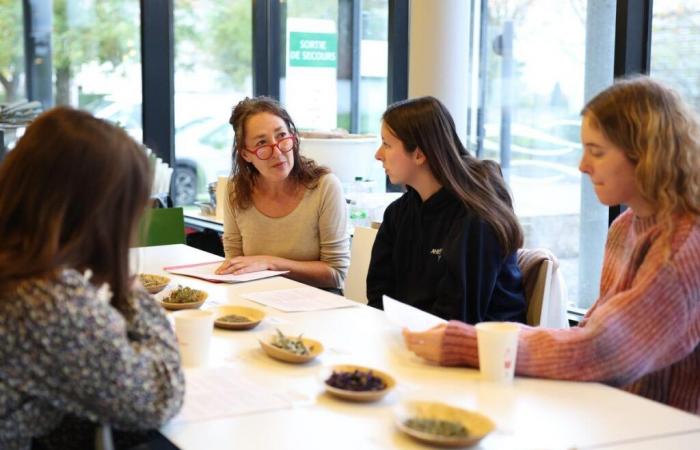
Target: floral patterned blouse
x,y
65,350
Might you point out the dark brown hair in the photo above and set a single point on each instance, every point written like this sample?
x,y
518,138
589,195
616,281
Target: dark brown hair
x,y
426,123
244,174
71,194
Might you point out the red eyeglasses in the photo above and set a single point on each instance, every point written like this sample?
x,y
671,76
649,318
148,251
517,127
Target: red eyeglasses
x,y
265,151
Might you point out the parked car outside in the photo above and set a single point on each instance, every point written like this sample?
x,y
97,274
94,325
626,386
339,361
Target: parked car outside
x,y
203,153
203,139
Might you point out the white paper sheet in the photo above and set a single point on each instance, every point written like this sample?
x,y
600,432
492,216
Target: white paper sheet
x,y
300,299
221,391
406,316
205,271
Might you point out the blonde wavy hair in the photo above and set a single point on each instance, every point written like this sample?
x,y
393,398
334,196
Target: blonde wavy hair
x,y
660,134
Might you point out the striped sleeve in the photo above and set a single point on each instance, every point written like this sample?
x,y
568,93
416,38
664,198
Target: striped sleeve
x,y
635,332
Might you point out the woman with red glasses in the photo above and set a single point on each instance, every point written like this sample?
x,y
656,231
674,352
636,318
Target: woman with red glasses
x,y
283,212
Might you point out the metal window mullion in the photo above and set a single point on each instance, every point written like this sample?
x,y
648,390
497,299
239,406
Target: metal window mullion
x,y
632,49
397,69
267,39
633,37
157,83
355,77
38,24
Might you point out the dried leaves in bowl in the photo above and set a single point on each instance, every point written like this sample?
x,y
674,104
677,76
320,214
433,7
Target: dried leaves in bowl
x,y
231,317
358,383
153,283
291,349
183,298
294,345
443,425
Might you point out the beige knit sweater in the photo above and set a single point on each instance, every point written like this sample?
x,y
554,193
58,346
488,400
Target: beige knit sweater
x,y
315,231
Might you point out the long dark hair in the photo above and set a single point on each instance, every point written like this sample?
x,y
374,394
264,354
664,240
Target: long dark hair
x,y
244,174
71,194
426,123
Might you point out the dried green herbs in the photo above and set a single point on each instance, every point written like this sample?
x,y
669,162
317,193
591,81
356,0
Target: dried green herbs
x,y
438,427
151,281
356,380
233,318
183,295
294,345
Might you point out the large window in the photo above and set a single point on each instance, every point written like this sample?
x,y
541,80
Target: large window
x,y
96,59
11,52
532,58
313,86
317,66
333,81
12,87
373,64
675,45
213,48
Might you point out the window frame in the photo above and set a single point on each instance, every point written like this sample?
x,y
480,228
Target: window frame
x,y
632,56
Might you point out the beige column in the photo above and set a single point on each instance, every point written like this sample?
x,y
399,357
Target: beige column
x,y
438,55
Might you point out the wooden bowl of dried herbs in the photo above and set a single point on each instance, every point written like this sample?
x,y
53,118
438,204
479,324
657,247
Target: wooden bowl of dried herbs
x,y
183,298
442,425
237,317
291,349
153,283
358,384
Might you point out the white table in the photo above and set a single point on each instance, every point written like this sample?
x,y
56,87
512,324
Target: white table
x,y
680,441
529,414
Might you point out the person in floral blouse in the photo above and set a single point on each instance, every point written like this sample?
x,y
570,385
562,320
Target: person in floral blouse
x,y
79,338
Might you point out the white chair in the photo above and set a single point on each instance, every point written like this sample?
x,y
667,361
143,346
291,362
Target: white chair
x,y
545,290
360,255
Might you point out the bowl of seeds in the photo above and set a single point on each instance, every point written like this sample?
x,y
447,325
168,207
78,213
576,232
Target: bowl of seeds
x,y
291,349
442,425
237,317
153,283
183,298
357,383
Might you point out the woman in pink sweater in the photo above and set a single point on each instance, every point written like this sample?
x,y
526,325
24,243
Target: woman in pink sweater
x,y
641,148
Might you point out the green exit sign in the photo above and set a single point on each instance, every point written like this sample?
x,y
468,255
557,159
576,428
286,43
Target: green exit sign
x,y
313,49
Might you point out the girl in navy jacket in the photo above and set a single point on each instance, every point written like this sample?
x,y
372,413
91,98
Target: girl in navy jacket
x,y
448,245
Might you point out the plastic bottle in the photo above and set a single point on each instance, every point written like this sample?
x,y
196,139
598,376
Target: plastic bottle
x,y
358,211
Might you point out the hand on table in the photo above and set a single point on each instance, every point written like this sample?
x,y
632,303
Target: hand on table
x,y
246,264
426,344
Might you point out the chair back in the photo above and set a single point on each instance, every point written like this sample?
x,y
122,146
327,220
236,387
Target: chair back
x,y
162,226
103,437
360,255
545,290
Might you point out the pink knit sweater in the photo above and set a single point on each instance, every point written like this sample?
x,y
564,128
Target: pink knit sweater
x,y
643,333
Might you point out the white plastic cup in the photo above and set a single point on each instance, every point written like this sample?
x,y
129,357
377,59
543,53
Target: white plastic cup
x,y
193,329
498,348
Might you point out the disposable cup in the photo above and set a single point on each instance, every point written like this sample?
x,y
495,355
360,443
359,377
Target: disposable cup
x,y
193,329
498,348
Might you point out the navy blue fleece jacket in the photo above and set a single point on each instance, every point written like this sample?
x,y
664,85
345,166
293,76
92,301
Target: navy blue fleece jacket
x,y
443,259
